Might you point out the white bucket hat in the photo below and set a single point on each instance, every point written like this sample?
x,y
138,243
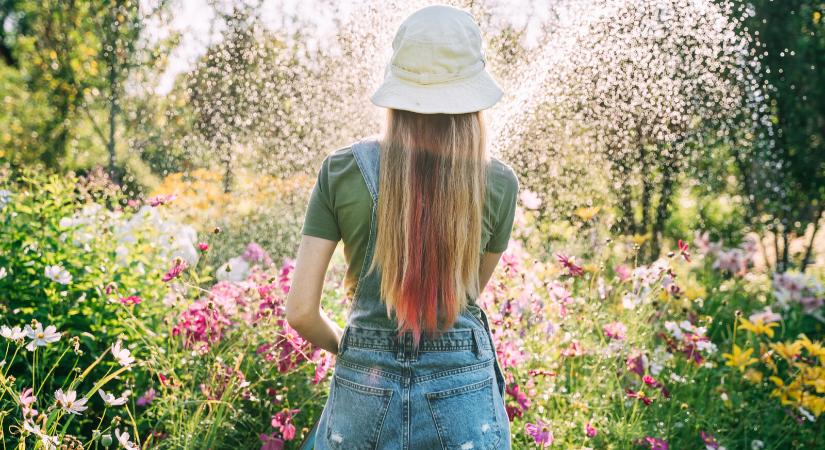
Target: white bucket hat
x,y
437,65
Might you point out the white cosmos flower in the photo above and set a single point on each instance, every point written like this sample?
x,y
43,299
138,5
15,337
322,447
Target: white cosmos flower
x,y
41,337
123,355
58,274
3,273
123,439
630,300
69,402
49,442
111,400
12,334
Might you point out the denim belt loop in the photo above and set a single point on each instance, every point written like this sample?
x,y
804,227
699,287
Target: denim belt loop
x,y
413,350
400,347
476,342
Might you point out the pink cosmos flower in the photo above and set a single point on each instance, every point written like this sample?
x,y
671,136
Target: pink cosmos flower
x,y
652,443
322,367
522,400
567,262
271,442
178,266
639,395
623,272
710,441
540,432
69,402
544,372
131,300
254,253
283,422
589,430
683,249
146,398
615,330
575,349
636,362
203,246
161,199
201,323
27,399
513,411
650,381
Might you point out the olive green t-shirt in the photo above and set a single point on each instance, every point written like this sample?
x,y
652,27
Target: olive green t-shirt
x,y
340,206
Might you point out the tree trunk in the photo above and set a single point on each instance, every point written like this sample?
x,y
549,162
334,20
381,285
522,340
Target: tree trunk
x,y
778,262
810,247
113,106
662,209
765,253
227,168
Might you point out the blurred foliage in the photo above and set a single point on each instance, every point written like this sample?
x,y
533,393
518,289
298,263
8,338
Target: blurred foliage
x,y
263,208
789,42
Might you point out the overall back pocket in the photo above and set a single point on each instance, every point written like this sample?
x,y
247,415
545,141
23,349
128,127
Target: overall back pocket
x,y
465,416
357,414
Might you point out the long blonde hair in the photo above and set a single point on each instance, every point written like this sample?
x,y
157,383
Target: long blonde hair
x,y
432,190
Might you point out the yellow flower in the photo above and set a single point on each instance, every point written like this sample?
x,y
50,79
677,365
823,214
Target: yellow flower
x,y
739,359
592,268
814,404
695,290
777,381
787,351
587,213
814,348
758,327
753,375
640,239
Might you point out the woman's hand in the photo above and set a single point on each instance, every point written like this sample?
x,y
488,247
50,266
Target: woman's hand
x,y
303,302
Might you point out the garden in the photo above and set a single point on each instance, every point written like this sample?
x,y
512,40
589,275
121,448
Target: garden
x,y
663,287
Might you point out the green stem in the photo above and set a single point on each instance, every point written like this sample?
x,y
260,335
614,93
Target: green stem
x,y
54,366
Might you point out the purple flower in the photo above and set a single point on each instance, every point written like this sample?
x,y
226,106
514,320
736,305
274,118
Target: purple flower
x,y
254,253
146,398
540,431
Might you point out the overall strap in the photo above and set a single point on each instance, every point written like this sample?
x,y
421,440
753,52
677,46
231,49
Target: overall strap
x,y
367,155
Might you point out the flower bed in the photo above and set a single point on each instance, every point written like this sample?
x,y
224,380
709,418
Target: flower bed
x,y
117,331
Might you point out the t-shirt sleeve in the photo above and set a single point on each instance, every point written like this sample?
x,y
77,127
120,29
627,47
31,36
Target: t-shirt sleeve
x,y
320,220
506,215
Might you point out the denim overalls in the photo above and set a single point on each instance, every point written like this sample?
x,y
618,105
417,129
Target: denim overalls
x,y
447,394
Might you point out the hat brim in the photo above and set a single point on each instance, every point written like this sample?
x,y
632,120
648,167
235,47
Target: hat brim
x,y
455,97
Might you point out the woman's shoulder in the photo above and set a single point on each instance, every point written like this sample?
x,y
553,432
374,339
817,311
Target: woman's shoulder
x,y
339,161
503,175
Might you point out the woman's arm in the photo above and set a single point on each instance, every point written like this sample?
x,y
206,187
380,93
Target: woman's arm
x,y
488,264
303,302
